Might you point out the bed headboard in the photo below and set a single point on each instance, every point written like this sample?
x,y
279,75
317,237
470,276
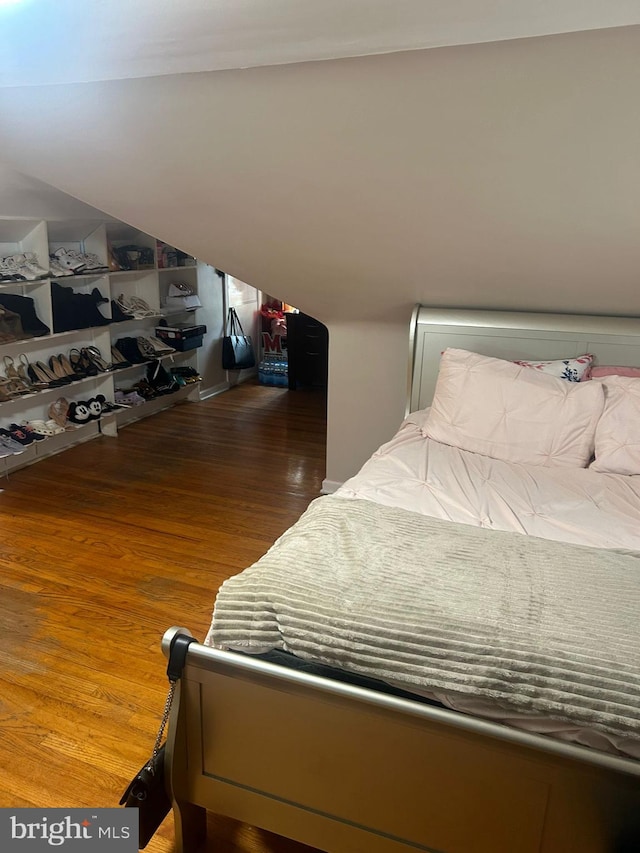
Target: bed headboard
x,y
513,335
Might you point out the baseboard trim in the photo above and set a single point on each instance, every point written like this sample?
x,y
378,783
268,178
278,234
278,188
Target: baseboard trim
x,y
214,390
330,486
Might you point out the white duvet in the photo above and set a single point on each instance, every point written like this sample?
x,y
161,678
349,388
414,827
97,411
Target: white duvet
x,y
574,505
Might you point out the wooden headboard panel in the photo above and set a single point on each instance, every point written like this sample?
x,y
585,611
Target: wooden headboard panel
x,y
513,335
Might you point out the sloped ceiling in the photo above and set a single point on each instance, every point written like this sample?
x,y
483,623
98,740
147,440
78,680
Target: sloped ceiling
x,y
495,175
64,41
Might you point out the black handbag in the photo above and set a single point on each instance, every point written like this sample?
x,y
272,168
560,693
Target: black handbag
x,y
237,348
147,791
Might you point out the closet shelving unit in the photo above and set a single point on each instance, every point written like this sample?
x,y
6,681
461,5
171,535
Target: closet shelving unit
x,y
148,283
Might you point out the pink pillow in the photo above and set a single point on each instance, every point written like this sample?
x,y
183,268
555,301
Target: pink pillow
x,y
576,369
606,370
506,411
618,430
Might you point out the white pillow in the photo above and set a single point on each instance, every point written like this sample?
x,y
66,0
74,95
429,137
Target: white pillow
x,y
506,411
618,430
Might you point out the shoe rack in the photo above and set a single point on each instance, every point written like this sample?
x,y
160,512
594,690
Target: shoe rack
x,y
149,283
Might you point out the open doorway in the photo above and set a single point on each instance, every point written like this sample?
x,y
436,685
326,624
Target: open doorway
x,y
294,347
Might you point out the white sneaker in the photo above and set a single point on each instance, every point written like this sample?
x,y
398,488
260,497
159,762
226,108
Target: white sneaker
x,y
31,261
68,260
21,267
90,261
9,271
56,269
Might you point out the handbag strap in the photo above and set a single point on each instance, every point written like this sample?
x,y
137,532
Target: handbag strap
x,y
177,658
235,326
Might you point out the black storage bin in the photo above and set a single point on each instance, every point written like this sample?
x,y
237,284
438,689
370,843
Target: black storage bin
x,y
182,336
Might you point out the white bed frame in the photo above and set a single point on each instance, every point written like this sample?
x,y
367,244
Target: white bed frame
x,y
349,770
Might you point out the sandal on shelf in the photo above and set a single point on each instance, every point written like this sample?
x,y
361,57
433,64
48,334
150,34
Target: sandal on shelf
x,y
23,373
94,356
75,359
42,428
135,306
58,412
81,364
4,391
141,308
10,368
15,385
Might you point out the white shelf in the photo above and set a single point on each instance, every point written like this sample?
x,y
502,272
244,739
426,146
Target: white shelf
x,y
129,273
43,237
4,285
62,279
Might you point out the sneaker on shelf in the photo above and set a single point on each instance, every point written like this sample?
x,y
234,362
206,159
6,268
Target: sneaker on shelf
x,y
9,447
68,260
22,267
56,269
31,261
91,263
9,270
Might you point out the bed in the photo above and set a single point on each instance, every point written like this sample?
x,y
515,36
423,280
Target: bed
x,y
509,718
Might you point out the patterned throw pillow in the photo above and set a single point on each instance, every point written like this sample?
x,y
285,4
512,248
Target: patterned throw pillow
x,y
572,369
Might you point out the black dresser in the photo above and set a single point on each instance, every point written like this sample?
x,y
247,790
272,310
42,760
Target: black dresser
x,y
307,351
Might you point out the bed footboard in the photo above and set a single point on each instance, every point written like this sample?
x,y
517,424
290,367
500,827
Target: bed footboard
x,y
346,769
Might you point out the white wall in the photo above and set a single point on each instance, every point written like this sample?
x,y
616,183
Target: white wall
x,y
502,175
24,196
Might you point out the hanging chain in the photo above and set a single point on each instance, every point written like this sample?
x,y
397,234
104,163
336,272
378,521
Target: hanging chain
x,y
165,718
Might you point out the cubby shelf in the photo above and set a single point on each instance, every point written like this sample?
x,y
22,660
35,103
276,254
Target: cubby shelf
x,y
149,284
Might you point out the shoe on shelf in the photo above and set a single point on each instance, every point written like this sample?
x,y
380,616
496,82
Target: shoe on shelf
x,y
29,376
94,356
68,260
8,445
58,270
58,370
19,434
43,428
22,268
8,271
118,361
32,263
90,261
67,367
27,428
58,412
161,347
129,398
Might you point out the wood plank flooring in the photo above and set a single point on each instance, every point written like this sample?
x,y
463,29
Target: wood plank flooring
x,y
107,545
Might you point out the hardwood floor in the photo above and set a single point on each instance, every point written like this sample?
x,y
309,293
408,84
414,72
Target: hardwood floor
x,y
108,544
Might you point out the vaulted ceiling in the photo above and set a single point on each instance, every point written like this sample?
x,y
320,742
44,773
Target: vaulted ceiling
x,y
64,41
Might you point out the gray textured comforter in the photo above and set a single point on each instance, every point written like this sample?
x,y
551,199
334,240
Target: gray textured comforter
x,y
539,626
